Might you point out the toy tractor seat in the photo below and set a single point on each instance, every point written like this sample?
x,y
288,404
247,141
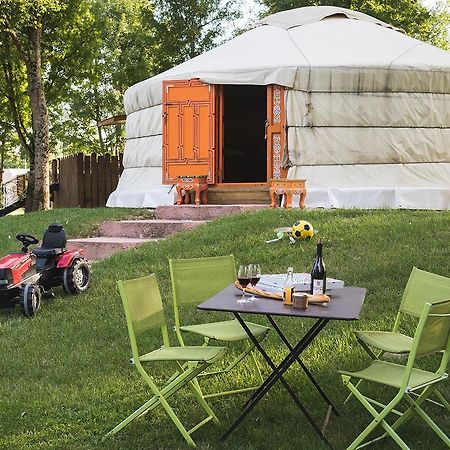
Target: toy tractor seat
x,y
53,242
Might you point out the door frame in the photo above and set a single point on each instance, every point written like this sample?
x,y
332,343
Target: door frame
x,y
275,135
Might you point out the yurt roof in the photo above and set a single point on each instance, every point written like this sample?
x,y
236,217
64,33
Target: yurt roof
x,y
312,48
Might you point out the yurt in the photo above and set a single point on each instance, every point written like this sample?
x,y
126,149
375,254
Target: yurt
x,y
351,104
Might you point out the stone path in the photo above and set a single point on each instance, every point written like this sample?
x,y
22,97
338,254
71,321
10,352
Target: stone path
x,y
122,235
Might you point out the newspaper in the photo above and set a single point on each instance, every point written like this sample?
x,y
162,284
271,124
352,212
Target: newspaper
x,y
275,282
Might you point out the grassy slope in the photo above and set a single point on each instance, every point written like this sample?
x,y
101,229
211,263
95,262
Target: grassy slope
x,y
65,379
77,222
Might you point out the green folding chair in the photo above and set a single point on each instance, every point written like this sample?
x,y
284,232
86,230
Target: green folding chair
x,y
422,286
432,337
144,311
194,281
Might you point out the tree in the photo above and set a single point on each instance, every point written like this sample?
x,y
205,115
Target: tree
x,y
15,121
66,64
187,28
23,22
410,15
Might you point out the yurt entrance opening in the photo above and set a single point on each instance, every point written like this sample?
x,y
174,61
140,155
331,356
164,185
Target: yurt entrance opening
x,y
244,151
232,134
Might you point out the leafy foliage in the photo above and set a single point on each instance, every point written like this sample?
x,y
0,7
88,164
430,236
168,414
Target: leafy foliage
x,y
410,15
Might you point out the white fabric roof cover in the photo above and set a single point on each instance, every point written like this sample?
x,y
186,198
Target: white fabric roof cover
x,y
367,109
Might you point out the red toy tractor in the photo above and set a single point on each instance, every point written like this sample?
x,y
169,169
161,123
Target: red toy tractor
x,y
30,275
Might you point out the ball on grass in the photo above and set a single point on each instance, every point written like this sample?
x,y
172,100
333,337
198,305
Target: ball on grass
x,y
302,230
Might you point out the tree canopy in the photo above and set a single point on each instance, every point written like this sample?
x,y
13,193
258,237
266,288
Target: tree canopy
x,y
410,15
65,64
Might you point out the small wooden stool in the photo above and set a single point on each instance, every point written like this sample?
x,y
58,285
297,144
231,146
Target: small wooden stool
x,y
196,184
288,188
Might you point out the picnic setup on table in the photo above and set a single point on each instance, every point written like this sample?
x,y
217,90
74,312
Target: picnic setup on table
x,y
213,284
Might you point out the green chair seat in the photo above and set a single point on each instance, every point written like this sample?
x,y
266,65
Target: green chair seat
x,y
391,374
228,330
432,337
422,287
388,341
144,312
195,280
198,354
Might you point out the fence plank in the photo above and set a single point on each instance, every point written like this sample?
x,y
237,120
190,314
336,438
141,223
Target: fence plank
x,y
101,181
94,186
80,177
108,176
85,181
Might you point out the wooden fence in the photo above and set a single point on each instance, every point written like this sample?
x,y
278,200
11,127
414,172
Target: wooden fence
x,y
84,181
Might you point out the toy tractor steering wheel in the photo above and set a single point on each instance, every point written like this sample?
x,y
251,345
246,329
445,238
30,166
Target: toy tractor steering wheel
x,y
26,239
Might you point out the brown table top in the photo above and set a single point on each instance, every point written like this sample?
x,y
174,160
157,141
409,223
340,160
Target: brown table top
x,y
345,304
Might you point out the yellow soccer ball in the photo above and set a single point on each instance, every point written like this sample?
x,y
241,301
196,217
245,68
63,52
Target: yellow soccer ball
x,y
302,230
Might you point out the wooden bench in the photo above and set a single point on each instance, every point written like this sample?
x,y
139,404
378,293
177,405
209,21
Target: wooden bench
x,y
197,184
288,188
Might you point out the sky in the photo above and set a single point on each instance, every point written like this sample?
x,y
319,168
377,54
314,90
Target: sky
x,y
251,8
250,5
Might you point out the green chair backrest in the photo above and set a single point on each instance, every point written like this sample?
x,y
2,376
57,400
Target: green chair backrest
x,y
432,336
423,287
141,300
436,330
195,280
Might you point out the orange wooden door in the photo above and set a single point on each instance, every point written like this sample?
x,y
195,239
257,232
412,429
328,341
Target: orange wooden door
x,y
275,131
189,134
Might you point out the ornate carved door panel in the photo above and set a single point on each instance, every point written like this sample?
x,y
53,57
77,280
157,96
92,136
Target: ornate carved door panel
x,y
275,131
189,130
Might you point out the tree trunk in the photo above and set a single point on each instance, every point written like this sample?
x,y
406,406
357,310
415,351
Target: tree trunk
x,y
39,171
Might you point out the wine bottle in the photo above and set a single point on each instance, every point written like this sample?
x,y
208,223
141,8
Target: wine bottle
x,y
318,275
288,288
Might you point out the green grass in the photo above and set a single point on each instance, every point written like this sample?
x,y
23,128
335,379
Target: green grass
x,y
65,377
77,222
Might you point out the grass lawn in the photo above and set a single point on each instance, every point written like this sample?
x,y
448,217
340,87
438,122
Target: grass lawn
x,y
65,376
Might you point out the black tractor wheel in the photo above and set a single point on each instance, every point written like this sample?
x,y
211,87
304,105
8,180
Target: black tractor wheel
x,y
30,299
77,277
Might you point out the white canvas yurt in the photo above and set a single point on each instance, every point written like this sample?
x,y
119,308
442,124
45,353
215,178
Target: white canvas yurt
x,y
333,96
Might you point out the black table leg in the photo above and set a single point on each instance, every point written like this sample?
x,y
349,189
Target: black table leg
x,y
302,365
288,360
279,375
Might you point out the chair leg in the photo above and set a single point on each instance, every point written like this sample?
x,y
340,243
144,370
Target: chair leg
x,y
415,408
441,398
255,362
177,422
248,351
428,420
199,396
139,412
378,418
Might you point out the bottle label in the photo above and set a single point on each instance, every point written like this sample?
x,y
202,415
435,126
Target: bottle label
x,y
317,286
287,295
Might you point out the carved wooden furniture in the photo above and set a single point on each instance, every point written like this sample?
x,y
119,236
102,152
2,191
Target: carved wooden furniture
x,y
288,188
197,184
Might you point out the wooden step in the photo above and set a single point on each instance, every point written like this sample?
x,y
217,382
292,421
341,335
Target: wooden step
x,y
237,195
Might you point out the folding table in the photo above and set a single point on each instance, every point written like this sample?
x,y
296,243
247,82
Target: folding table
x,y
346,304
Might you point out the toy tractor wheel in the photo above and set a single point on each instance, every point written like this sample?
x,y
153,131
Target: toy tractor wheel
x,y
77,277
30,299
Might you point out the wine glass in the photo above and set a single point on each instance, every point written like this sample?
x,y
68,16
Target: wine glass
x,y
255,275
244,280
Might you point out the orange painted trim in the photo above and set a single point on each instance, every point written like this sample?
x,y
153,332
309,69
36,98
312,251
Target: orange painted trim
x,y
189,129
220,136
276,130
